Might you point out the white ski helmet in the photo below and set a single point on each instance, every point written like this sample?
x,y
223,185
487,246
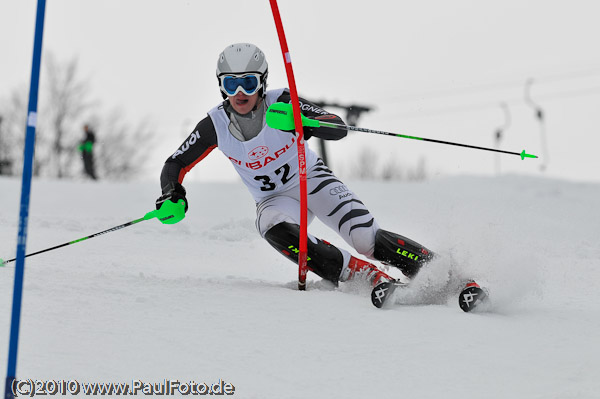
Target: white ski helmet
x,y
243,58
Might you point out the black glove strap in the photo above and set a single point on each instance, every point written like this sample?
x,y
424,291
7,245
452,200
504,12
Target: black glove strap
x,y
172,192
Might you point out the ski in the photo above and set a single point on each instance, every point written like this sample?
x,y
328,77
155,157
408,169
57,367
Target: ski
x,y
471,297
383,291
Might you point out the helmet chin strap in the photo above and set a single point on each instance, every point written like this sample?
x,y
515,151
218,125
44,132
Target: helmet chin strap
x,y
260,100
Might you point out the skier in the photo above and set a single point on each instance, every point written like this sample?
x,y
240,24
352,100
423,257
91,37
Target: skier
x,y
266,160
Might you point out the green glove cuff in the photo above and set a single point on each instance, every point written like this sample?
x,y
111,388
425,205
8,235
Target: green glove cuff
x,y
281,116
170,212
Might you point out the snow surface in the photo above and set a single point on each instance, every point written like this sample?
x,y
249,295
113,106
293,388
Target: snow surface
x,y
208,299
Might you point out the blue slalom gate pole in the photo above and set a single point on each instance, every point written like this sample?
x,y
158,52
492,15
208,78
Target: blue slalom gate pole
x,y
25,193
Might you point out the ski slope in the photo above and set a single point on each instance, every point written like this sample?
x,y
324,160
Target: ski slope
x,y
208,299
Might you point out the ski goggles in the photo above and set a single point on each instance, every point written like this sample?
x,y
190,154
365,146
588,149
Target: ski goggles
x,y
249,83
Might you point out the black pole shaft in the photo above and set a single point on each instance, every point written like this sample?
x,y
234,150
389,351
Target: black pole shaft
x,y
470,146
360,129
81,239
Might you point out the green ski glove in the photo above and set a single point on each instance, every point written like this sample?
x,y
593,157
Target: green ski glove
x,y
172,205
171,212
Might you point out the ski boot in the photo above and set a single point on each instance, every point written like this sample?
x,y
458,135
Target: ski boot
x,y
361,269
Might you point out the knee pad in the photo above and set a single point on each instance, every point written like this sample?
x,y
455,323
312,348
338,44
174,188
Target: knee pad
x,y
396,250
324,259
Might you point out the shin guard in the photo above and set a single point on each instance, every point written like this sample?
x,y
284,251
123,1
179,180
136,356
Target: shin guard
x,y
323,259
396,250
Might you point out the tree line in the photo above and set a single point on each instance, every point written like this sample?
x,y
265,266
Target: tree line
x,y
66,104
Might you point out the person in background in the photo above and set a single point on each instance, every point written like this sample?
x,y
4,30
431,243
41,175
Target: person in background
x,y
87,151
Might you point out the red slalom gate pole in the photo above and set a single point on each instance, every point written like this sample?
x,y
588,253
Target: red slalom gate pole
x,y
302,260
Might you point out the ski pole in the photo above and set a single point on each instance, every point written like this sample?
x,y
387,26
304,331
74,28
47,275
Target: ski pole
x,y
279,116
147,216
